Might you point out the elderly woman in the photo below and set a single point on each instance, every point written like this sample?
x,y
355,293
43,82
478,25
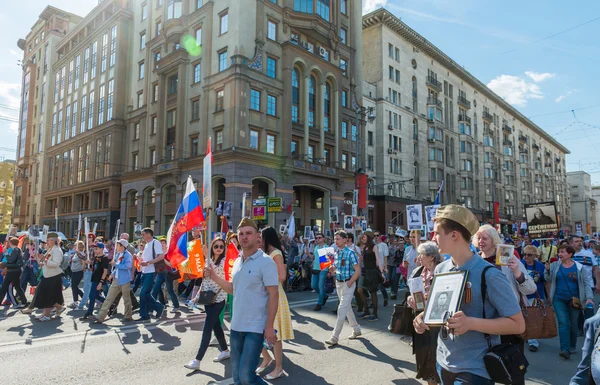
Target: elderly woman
x,y
569,291
425,345
50,287
535,269
486,239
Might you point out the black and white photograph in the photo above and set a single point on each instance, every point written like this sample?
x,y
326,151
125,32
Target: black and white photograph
x,y
541,219
429,215
348,223
333,215
44,236
363,225
219,208
504,253
282,229
414,213
227,209
445,295
307,232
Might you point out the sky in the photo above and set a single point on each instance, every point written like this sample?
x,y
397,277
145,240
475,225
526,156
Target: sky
x,y
541,56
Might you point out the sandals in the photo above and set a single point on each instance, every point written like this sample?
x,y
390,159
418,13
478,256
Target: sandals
x,y
262,368
44,318
281,373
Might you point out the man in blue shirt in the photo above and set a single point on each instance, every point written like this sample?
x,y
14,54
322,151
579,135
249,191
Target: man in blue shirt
x,y
347,271
319,276
460,358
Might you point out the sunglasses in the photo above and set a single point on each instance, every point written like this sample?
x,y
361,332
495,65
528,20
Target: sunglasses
x,y
218,247
445,331
318,237
530,255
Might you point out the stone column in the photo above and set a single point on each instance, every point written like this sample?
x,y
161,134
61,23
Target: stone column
x,y
335,124
305,114
321,119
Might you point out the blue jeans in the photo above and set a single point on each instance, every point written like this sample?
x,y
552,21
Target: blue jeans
x,y
94,295
147,301
211,323
567,317
318,285
245,353
28,276
449,378
160,279
87,286
392,277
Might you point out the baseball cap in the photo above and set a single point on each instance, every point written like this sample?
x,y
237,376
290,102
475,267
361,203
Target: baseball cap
x,y
123,243
99,244
460,215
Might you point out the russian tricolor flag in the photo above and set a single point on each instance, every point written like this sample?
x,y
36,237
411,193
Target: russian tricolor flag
x,y
188,216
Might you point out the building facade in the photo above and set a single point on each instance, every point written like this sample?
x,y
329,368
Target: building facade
x,y
7,175
437,123
38,48
584,205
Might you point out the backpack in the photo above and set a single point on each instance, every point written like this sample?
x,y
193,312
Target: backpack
x,y
64,264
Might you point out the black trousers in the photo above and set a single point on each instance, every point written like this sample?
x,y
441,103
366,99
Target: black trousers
x,y
14,277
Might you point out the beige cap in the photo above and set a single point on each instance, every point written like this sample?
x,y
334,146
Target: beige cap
x,y
460,215
247,222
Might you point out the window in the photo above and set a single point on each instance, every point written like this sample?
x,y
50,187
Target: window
x,y
152,163
173,82
83,113
343,6
144,11
93,60
136,131
194,146
91,111
390,50
104,52
344,161
397,76
142,40
219,104
195,109
310,152
101,106
271,105
312,101
271,67
73,120
219,140
254,139
141,70
344,130
197,73
354,133
295,95
271,144
344,66
344,98
174,8
154,125
271,30
70,79
397,54
326,107
155,93
343,34
294,148
140,99
391,73
370,162
353,162
158,27
255,100
304,6
224,23
370,138
107,154
134,161
222,61
323,8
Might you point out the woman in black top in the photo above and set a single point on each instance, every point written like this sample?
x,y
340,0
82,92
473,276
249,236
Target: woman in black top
x,y
372,277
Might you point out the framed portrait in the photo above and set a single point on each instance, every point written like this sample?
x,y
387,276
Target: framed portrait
x,y
348,223
333,215
282,229
414,214
504,253
307,232
445,296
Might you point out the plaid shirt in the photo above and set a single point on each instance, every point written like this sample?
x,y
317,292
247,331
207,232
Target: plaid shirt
x,y
344,264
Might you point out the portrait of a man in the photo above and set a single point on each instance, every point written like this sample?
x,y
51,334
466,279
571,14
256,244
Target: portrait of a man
x,y
441,304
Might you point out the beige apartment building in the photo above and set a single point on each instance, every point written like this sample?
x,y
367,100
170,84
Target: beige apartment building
x,y
7,175
437,122
584,203
134,90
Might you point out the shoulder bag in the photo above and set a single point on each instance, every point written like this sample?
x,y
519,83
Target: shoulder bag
x,y
540,321
159,266
505,363
207,297
402,318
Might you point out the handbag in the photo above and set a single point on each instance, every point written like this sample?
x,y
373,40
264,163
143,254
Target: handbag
x,y
207,297
505,363
540,321
159,266
575,302
402,318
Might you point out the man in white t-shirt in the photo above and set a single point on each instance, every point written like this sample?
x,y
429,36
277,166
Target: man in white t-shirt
x,y
410,253
384,252
153,252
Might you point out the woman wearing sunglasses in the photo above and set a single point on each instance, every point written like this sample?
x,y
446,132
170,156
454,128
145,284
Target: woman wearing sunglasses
x,y
425,345
212,311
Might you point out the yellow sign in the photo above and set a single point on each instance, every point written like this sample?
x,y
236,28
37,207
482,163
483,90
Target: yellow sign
x,y
275,205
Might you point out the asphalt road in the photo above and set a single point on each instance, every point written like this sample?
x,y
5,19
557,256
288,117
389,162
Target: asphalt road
x,y
67,350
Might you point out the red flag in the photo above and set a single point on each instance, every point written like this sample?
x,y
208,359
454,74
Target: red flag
x,y
230,257
21,240
224,224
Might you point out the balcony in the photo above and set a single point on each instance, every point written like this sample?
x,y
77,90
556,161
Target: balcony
x,y
507,142
535,147
305,165
464,118
507,128
523,150
547,154
298,127
522,139
434,102
462,101
557,160
434,84
487,117
172,61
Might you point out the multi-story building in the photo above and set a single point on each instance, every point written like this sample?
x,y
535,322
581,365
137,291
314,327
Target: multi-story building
x,y
596,197
7,175
583,204
38,48
270,82
437,122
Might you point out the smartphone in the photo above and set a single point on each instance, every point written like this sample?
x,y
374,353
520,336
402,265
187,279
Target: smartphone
x,y
266,344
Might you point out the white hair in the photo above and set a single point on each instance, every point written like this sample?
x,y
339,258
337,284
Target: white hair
x,y
430,249
491,232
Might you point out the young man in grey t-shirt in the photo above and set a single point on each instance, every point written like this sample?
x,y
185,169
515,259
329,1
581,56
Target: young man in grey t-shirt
x,y
460,357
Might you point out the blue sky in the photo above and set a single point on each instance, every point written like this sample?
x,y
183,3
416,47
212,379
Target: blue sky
x,y
506,44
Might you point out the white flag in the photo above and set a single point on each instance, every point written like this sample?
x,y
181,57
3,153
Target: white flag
x,y
291,226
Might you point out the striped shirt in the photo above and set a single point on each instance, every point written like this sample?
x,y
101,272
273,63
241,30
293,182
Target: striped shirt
x,y
344,264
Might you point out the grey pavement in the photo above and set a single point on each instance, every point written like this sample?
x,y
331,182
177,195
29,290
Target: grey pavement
x,y
66,350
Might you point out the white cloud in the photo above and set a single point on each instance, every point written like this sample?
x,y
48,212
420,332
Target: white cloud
x,y
515,90
563,96
539,77
10,96
371,5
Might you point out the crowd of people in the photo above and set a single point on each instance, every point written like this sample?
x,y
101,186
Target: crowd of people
x,y
101,273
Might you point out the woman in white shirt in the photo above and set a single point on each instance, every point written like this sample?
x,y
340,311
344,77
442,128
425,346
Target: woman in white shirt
x,y
50,287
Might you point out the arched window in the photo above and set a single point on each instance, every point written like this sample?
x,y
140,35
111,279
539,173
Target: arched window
x,y
415,129
326,106
295,95
312,101
132,199
150,196
414,87
170,194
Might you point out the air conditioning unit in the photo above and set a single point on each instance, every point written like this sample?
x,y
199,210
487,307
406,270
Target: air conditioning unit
x,y
310,47
322,52
395,152
390,151
390,127
431,140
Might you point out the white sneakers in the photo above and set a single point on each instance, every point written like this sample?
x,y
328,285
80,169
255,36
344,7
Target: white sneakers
x,y
355,334
222,356
193,365
332,341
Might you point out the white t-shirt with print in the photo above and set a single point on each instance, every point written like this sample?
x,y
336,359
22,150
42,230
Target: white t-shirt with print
x,y
147,255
